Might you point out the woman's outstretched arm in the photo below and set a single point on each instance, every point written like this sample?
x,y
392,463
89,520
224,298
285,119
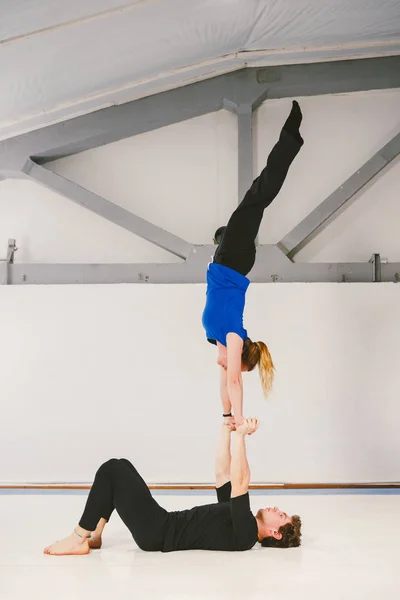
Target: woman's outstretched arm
x,y
234,345
223,390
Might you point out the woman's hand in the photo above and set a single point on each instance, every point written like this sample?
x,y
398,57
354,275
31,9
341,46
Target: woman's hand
x,y
230,423
238,421
233,422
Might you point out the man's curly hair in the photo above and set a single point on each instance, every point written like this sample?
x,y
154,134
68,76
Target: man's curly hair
x,y
291,534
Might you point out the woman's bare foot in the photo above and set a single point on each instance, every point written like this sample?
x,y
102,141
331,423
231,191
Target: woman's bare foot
x,y
70,545
95,541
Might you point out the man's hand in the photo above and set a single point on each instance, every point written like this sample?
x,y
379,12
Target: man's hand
x,y
248,427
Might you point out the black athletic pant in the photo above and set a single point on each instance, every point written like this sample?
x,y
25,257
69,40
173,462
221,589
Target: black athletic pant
x,y
237,248
119,486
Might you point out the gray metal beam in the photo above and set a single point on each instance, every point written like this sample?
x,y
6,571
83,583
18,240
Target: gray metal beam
x,y
340,199
376,261
110,211
271,266
244,114
242,87
11,248
4,275
245,149
5,264
336,77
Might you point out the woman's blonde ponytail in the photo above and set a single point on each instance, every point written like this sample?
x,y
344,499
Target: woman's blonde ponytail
x,y
257,353
266,368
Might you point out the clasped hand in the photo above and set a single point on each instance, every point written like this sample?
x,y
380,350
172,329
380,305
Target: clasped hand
x,y
243,427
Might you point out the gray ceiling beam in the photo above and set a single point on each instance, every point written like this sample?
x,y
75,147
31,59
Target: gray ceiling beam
x,y
271,266
335,77
63,274
340,199
110,211
241,87
245,149
244,114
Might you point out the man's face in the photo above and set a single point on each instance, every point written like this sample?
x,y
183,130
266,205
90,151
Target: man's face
x,y
273,519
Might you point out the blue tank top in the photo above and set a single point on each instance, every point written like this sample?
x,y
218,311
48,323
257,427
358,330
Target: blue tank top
x,y
223,313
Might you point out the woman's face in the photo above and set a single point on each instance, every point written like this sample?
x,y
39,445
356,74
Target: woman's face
x,y
222,359
222,362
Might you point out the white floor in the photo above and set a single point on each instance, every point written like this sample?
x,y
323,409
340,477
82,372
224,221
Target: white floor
x,y
351,550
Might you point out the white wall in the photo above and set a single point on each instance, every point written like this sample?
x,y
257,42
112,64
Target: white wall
x,y
94,372
90,372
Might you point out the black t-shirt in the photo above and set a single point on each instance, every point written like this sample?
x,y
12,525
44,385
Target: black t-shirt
x,y
226,525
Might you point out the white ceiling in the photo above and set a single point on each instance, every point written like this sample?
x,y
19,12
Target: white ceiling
x,y
59,59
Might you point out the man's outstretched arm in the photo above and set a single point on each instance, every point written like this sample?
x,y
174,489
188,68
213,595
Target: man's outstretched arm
x,y
240,470
223,457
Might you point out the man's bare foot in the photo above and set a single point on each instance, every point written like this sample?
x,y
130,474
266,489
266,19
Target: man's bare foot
x,y
69,545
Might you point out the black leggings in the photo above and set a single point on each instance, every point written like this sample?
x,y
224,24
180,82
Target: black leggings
x,y
119,486
237,248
